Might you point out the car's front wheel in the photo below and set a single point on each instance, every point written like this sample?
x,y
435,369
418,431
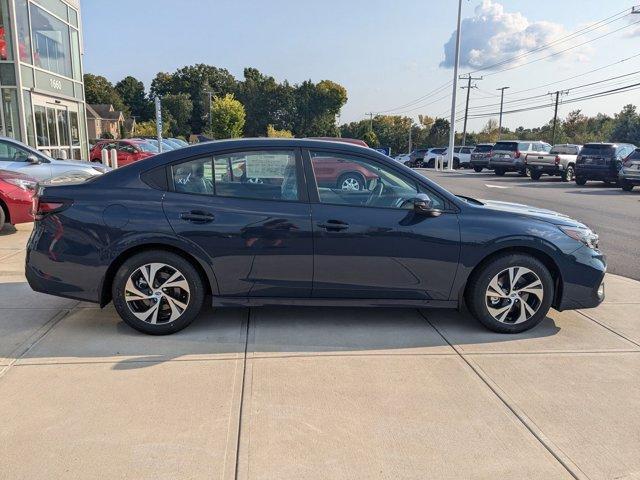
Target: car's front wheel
x,y
581,181
626,186
568,174
157,292
535,175
499,172
351,182
511,293
477,169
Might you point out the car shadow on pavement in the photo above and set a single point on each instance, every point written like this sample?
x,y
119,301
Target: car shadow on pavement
x,y
88,334
8,229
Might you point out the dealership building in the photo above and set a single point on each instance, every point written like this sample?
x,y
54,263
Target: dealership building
x,y
41,87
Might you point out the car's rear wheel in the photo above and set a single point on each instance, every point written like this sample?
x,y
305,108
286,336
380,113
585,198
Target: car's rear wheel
x,y
535,175
581,181
568,174
351,182
511,293
477,169
3,217
499,172
157,292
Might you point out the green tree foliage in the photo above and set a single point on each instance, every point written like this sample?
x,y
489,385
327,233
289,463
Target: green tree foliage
x,y
227,117
274,133
132,93
178,108
148,129
195,81
100,90
627,126
371,138
316,107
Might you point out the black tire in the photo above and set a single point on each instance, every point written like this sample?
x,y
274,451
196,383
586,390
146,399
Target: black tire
x,y
353,179
568,174
477,169
3,217
581,181
626,186
456,163
475,294
184,267
535,175
499,172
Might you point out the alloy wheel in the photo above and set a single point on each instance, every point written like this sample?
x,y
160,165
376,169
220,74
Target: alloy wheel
x,y
514,295
350,183
157,293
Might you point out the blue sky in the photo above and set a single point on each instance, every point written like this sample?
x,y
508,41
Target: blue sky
x,y
386,53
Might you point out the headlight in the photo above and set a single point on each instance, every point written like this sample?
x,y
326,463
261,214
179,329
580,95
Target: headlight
x,y
583,235
22,183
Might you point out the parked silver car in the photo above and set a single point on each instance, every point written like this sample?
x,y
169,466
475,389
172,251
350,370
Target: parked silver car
x,y
508,155
18,157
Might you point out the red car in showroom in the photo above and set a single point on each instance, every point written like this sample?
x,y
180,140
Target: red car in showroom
x,y
129,151
16,190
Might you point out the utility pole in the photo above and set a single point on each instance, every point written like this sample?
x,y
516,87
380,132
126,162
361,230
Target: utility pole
x,y
210,93
410,135
466,108
501,104
452,127
555,113
370,120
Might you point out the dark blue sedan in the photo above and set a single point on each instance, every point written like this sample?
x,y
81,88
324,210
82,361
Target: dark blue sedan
x,y
302,222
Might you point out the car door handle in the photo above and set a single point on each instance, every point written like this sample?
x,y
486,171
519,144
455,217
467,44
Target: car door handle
x,y
197,216
334,225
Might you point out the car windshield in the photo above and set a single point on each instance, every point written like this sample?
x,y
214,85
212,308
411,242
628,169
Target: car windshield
x,y
506,146
601,150
438,150
483,148
147,147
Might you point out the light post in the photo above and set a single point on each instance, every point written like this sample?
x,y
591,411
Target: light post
x,y
452,127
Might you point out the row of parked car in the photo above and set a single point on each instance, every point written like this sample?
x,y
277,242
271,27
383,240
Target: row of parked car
x,y
22,167
612,163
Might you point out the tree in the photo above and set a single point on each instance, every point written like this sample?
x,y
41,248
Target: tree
x,y
371,138
227,117
178,107
626,125
489,133
316,107
148,129
195,81
131,91
439,132
273,133
98,89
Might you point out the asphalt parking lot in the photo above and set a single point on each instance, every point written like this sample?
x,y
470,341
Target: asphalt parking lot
x,y
612,213
290,393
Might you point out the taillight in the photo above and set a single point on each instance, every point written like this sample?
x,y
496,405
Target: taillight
x,y
42,207
517,154
557,159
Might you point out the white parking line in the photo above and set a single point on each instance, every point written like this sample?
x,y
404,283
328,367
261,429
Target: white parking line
x,y
495,186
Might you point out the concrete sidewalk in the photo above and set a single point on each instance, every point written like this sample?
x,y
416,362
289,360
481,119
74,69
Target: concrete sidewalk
x,y
291,393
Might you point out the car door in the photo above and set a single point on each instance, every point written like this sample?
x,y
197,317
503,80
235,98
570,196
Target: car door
x,y
369,243
15,158
248,211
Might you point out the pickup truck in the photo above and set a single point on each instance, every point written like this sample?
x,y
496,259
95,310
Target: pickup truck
x,y
560,161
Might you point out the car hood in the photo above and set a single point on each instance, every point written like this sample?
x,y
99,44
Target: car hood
x,y
87,166
533,212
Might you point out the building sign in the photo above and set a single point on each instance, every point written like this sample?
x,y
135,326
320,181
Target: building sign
x,y
53,83
384,150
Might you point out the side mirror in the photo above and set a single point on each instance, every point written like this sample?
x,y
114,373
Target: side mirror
x,y
423,205
33,160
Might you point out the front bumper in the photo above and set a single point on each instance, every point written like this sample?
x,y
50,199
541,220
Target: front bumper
x,y
630,176
582,280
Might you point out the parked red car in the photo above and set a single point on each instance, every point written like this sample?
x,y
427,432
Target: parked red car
x,y
16,190
129,151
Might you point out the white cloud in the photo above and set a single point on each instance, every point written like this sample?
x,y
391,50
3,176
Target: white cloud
x,y
493,35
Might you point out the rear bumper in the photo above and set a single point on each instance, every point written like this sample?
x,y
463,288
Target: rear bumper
x,y
480,162
593,174
583,280
548,169
512,165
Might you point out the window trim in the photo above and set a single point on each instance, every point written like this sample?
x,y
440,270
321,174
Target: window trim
x,y
302,189
314,196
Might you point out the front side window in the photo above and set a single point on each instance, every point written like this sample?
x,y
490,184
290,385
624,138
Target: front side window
x,y
12,153
267,175
361,182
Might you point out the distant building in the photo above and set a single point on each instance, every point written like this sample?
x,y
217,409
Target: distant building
x,y
103,121
41,86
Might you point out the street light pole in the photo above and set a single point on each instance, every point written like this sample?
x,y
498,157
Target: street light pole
x,y
452,127
501,104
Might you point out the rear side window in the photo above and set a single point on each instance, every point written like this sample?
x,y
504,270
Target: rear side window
x,y
524,146
635,155
195,177
267,175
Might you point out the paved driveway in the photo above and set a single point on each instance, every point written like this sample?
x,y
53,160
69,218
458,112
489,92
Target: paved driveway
x,y
291,393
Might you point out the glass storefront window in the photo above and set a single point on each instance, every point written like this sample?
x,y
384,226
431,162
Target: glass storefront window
x,y
52,49
57,7
42,133
10,110
22,21
52,126
75,54
73,17
63,126
28,116
5,32
7,74
75,130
